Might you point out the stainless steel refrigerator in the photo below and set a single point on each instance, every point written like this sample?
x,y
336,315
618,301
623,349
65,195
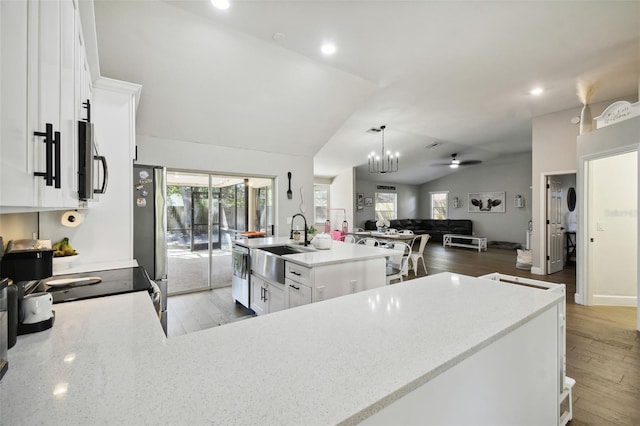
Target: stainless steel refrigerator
x,y
150,227
150,220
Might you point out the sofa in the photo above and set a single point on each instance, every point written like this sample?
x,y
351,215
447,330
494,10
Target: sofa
x,y
435,228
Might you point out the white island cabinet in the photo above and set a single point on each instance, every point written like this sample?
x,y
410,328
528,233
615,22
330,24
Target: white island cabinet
x,y
444,349
321,282
316,275
266,297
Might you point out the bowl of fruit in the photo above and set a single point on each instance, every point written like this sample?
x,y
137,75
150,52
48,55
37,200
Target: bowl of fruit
x,y
63,254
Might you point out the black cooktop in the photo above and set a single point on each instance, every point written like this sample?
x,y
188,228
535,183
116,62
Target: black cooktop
x,y
113,281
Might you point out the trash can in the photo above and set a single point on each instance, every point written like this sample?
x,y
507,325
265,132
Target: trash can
x,y
524,259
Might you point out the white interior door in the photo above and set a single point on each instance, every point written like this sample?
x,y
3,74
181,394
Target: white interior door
x,y
610,230
555,235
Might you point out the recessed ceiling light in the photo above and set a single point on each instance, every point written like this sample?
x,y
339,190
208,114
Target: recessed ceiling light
x,y
536,91
220,4
328,48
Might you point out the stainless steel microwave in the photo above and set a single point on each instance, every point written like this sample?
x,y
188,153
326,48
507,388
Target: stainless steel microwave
x,y
88,173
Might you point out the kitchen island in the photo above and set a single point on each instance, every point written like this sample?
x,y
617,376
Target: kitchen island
x,y
311,275
447,348
339,252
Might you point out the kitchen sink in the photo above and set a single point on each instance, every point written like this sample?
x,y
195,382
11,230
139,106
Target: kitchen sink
x,y
269,263
282,250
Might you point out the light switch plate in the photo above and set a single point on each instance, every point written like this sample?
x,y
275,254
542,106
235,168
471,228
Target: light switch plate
x,y
600,226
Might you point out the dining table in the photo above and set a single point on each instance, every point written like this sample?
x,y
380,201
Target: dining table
x,y
383,235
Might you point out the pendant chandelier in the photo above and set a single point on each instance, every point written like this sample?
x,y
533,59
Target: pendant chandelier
x,y
385,162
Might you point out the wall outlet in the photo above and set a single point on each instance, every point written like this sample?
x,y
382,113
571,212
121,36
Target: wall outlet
x,y
353,285
320,291
600,226
289,220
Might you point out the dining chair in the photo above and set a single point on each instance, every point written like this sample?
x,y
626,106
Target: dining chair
x,y
349,239
399,262
368,241
419,253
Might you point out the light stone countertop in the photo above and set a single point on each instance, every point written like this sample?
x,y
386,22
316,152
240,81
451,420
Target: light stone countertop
x,y
106,361
339,252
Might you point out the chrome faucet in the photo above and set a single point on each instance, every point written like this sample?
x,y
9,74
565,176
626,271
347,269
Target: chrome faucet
x,y
306,243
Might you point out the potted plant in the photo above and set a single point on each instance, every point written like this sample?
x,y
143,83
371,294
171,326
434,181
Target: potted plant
x,y
311,232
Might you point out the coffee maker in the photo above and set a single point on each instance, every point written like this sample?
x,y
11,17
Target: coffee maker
x,y
25,263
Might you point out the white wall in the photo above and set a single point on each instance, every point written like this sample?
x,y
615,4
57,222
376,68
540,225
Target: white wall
x,y
408,200
224,160
554,151
17,226
509,173
341,196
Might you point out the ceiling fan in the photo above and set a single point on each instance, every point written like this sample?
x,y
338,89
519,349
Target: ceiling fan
x,y
455,163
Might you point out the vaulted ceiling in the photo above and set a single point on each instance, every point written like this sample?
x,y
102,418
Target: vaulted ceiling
x,y
456,73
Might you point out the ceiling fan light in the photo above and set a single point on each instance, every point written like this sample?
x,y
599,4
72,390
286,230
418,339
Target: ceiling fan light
x,y
454,165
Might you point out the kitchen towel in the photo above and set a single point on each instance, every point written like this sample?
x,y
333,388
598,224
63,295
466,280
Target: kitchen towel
x,y
72,218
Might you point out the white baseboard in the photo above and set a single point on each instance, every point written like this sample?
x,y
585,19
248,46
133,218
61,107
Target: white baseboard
x,y
577,298
537,271
600,299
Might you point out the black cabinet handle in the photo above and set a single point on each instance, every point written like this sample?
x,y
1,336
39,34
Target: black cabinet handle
x,y
56,176
87,105
294,287
48,141
105,179
295,273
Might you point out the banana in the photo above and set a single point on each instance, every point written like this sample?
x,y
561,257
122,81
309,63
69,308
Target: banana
x,y
63,248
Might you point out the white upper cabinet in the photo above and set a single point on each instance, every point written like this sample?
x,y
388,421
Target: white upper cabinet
x,y
43,77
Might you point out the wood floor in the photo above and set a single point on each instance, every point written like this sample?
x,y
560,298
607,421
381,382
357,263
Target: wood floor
x,y
603,347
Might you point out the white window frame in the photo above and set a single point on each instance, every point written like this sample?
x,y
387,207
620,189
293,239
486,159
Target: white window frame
x,y
395,204
321,187
432,202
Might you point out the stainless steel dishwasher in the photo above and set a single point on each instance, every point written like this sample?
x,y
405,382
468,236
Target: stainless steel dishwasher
x,y
240,280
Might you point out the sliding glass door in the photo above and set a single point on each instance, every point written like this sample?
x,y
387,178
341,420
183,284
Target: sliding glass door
x,y
205,214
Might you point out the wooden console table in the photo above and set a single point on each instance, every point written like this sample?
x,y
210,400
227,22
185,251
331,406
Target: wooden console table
x,y
571,246
481,242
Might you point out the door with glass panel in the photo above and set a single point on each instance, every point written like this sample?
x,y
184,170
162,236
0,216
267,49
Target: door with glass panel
x,y
206,212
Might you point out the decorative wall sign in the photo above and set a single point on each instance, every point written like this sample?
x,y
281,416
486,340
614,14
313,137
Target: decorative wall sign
x,y
360,199
368,201
492,202
617,111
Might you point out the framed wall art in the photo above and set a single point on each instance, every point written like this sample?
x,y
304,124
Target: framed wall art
x,y
368,201
360,199
491,202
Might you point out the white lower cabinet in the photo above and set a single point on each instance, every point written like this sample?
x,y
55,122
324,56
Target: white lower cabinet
x,y
266,297
333,280
298,294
